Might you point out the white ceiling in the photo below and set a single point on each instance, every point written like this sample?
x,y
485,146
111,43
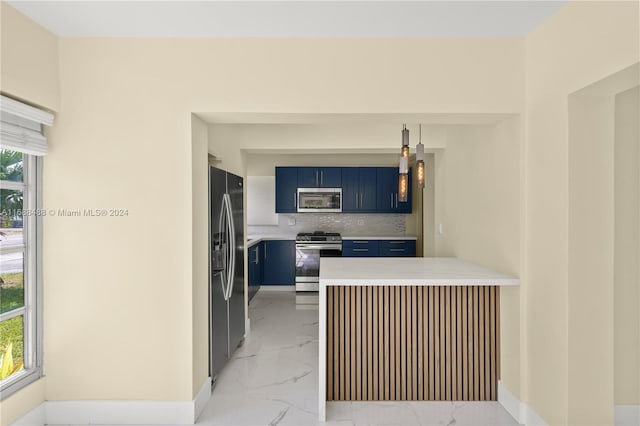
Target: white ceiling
x,y
265,18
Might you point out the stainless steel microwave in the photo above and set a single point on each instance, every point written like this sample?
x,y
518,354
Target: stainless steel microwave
x,y
319,200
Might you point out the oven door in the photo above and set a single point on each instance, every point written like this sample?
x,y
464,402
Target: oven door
x,y
308,263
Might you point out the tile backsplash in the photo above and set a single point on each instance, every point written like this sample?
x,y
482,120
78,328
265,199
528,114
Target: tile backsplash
x,y
355,225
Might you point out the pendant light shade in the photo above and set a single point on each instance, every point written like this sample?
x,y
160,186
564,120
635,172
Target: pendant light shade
x,y
403,188
405,141
403,178
420,161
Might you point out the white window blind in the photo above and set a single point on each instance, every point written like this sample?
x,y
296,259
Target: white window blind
x,y
21,127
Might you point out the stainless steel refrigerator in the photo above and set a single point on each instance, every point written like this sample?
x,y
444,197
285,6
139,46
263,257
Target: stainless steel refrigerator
x,y
226,268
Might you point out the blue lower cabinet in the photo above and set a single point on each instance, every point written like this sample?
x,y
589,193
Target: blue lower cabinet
x,y
279,262
378,248
359,248
255,268
397,248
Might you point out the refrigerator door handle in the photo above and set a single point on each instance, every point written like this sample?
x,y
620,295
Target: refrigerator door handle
x,y
222,229
232,246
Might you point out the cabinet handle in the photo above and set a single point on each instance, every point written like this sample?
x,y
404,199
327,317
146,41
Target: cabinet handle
x,y
356,200
265,252
392,200
360,249
317,178
295,201
396,249
396,200
360,242
397,242
361,200
321,177
257,255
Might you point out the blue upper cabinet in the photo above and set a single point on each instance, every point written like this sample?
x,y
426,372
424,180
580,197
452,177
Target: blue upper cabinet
x,y
364,189
350,189
286,189
319,177
359,189
387,191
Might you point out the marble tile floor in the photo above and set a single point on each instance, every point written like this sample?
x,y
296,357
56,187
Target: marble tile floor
x,y
273,380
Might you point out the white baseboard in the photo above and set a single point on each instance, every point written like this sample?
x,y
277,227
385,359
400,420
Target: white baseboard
x,y
119,412
277,288
530,417
35,417
509,402
521,411
627,415
202,398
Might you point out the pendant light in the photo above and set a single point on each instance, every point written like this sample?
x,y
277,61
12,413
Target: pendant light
x,y
403,178
405,141
420,160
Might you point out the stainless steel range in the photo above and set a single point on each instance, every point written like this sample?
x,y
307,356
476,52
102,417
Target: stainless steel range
x,y
310,247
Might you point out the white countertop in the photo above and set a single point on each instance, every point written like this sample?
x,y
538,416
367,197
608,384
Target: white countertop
x,y
428,271
251,239
254,239
404,237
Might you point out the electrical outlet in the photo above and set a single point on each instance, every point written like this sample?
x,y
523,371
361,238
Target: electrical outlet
x,y
292,221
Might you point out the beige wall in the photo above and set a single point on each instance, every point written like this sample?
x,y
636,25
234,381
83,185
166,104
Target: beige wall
x,y
200,253
22,402
429,208
581,44
478,202
627,249
228,142
29,60
590,260
28,71
124,139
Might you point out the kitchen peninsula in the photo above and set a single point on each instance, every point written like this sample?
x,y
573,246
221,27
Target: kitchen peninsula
x,y
397,329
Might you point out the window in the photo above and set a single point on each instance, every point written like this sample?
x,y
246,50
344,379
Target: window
x,y
21,148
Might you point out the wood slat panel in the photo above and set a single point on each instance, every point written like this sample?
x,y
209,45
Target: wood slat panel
x,y
347,343
403,344
442,329
492,346
432,348
459,373
436,343
465,346
369,345
353,342
413,343
341,340
476,373
420,350
454,344
481,341
447,342
330,349
487,346
497,320
389,351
